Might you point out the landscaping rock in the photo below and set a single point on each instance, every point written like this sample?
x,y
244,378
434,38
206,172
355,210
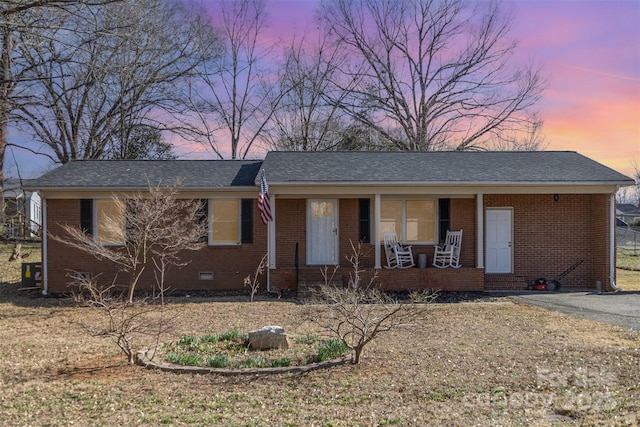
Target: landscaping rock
x,y
268,338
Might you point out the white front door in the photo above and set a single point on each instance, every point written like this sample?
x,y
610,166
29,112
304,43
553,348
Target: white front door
x,y
499,253
322,232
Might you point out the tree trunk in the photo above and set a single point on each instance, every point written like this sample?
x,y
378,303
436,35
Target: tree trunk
x,y
5,92
15,255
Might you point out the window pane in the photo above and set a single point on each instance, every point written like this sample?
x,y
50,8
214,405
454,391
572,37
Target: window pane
x,y
420,221
110,221
321,209
224,221
391,217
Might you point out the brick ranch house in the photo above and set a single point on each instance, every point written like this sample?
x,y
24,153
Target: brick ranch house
x,y
524,215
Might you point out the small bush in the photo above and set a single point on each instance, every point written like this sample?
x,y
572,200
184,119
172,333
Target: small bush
x,y
185,359
218,361
307,340
281,363
330,349
209,338
255,362
188,340
231,335
189,343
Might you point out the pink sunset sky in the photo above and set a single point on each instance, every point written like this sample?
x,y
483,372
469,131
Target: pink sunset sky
x,y
590,53
588,50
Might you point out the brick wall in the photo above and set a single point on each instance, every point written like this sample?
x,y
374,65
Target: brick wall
x,y
549,236
291,226
229,264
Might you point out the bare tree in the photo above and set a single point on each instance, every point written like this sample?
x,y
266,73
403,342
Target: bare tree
x,y
527,138
12,22
431,75
81,91
237,96
155,228
142,142
631,194
305,120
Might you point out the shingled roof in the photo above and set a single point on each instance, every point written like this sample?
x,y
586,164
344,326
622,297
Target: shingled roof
x,y
339,168
137,174
440,167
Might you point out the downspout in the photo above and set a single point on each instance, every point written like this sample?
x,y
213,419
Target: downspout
x,y
45,252
612,242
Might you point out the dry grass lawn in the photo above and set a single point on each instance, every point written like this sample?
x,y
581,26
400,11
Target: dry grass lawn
x,y
477,363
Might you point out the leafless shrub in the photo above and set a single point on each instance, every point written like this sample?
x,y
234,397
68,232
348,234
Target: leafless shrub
x,y
126,322
254,284
155,227
357,314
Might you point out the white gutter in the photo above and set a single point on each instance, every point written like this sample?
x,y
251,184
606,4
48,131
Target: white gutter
x,y
612,242
452,183
45,252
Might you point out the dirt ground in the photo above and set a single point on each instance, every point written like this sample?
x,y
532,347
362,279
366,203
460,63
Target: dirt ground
x,y
483,363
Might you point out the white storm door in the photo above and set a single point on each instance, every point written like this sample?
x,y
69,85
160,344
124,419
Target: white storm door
x,y
322,232
499,232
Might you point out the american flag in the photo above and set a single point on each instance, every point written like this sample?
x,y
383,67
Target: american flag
x,y
264,204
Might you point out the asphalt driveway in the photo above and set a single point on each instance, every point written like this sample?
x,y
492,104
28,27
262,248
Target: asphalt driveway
x,y
622,308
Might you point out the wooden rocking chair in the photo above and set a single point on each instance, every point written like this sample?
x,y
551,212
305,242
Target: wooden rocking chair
x,y
398,256
448,255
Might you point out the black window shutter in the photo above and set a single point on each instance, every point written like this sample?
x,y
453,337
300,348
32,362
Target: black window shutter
x,y
86,216
364,220
444,208
204,218
246,215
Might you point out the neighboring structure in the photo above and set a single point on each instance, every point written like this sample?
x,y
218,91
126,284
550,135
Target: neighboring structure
x,y
628,213
512,207
22,211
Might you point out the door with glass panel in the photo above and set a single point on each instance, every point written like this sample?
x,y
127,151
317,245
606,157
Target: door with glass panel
x,y
322,232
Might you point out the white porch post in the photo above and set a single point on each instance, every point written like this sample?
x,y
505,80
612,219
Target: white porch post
x,y
271,234
480,230
376,229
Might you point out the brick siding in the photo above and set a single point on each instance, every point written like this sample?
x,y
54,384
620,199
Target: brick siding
x,y
549,237
229,264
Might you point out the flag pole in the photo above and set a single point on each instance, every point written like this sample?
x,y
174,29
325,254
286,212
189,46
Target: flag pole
x,y
264,206
268,259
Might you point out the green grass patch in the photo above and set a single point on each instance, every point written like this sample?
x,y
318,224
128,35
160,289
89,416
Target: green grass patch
x,y
231,335
331,349
186,359
230,349
218,361
628,259
11,272
307,339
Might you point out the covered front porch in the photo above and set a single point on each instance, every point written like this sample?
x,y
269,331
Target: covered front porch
x,y
348,220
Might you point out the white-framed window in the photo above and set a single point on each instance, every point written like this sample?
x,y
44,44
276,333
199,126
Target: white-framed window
x,y
413,220
224,221
108,222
